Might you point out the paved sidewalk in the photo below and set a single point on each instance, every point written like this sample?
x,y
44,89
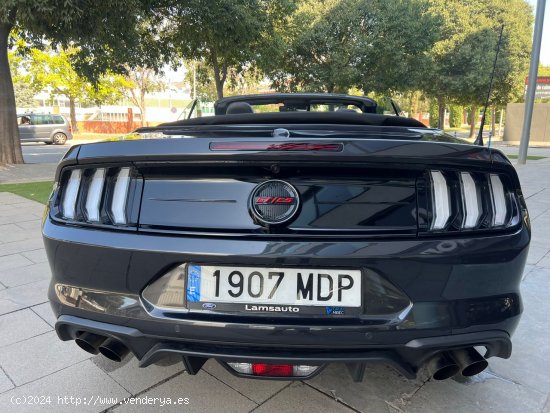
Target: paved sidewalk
x,y
33,362
30,172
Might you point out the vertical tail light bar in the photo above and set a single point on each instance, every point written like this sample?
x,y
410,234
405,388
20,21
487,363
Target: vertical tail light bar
x,y
471,201
499,201
440,200
70,194
93,199
120,195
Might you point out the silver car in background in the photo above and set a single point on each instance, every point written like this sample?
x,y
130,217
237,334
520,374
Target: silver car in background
x,y
48,128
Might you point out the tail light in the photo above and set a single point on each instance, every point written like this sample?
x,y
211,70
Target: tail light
x,y
465,201
273,370
98,196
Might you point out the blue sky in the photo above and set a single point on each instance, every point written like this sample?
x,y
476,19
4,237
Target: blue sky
x,y
545,47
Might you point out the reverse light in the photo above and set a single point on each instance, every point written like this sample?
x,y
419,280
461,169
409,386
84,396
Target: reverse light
x,y
93,199
499,200
273,370
471,201
243,368
441,200
120,194
70,194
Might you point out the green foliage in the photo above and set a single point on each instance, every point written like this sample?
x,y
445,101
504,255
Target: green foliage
x,y
204,77
462,59
22,85
24,95
138,82
105,34
456,116
53,69
239,82
226,35
543,70
336,45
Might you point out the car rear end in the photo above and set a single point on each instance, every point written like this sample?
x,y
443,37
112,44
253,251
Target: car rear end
x,y
60,130
277,258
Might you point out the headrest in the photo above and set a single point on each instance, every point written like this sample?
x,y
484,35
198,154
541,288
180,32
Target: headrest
x,y
236,108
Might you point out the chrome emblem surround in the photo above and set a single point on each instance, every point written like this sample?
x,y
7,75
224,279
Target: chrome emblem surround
x,y
274,202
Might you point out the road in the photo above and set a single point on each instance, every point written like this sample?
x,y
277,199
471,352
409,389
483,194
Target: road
x,y
42,153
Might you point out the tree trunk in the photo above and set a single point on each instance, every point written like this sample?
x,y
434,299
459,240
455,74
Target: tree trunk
x,y
441,111
142,106
219,77
414,105
10,146
493,124
473,121
72,111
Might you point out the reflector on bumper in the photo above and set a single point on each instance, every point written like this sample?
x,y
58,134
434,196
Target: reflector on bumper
x,y
273,370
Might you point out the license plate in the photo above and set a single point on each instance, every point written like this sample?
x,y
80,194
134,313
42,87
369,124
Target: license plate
x,y
274,290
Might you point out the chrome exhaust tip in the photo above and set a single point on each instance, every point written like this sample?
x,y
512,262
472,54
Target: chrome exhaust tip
x,y
442,366
113,349
470,361
89,342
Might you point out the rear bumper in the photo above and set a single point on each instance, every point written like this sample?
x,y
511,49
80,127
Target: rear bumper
x,y
464,292
405,358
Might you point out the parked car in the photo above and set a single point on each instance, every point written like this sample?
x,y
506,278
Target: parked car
x,y
287,232
48,128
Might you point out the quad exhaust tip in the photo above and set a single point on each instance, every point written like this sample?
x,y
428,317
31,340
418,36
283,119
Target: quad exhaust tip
x,y
113,349
89,342
467,361
470,361
108,347
442,367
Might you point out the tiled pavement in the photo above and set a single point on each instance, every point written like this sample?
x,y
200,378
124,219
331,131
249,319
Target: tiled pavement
x,y
33,362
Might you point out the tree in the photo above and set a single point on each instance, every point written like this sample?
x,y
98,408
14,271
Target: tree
x,y
226,35
238,82
462,58
140,81
318,52
24,94
335,45
23,89
87,26
53,69
543,70
456,116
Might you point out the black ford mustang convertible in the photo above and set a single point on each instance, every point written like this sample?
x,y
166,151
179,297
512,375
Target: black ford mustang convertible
x,y
287,232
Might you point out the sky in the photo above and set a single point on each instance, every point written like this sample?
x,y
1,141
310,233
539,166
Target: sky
x,y
545,46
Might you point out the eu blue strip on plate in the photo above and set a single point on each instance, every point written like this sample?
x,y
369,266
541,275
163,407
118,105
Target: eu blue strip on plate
x,y
194,284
